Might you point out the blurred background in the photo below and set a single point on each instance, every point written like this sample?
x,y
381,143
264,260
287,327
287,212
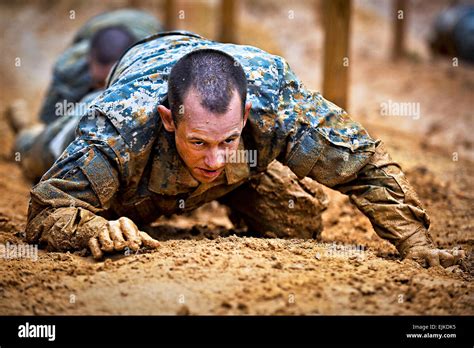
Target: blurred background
x,y
376,71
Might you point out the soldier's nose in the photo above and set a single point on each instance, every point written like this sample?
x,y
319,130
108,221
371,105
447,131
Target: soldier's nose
x,y
214,160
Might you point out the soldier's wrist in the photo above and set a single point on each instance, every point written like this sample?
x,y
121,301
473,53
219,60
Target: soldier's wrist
x,y
420,238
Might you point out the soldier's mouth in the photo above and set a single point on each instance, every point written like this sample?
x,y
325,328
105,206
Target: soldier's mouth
x,y
209,173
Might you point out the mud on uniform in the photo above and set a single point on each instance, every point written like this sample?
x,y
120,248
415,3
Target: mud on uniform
x,y
123,162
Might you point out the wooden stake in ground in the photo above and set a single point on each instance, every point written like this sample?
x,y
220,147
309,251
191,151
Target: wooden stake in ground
x,y
336,14
227,19
399,13
170,14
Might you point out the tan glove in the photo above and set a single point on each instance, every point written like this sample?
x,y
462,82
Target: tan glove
x,y
429,256
117,235
419,247
71,228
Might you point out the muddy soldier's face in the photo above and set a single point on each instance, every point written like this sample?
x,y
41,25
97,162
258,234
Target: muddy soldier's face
x,y
203,138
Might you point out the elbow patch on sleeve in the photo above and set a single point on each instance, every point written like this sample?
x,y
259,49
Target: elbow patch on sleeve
x,y
103,180
305,153
314,156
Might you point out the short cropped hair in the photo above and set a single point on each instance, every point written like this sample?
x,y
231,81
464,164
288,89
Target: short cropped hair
x,y
215,75
109,44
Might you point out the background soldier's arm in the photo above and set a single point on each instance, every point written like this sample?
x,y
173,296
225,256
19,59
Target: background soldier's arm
x,y
71,81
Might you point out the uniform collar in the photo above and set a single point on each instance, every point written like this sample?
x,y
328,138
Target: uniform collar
x,y
170,176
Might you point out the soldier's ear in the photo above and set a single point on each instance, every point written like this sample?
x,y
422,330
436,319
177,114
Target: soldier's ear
x,y
166,118
248,107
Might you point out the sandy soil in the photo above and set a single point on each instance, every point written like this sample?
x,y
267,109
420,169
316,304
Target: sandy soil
x,y
204,266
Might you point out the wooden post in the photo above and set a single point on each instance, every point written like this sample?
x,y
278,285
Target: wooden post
x,y
337,15
134,3
170,14
399,19
227,28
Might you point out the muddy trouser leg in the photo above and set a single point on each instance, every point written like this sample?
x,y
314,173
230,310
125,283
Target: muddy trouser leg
x,y
278,204
36,148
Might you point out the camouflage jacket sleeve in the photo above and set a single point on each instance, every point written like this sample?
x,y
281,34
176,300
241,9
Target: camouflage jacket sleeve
x,y
81,184
326,145
71,81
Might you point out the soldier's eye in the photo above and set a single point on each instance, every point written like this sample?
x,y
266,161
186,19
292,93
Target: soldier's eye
x,y
229,141
198,143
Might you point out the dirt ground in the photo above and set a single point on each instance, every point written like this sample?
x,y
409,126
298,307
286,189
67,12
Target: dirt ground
x,y
204,265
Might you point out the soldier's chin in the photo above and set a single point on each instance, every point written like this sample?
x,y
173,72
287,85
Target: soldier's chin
x,y
205,180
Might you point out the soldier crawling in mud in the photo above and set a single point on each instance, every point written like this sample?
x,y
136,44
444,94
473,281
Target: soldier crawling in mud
x,y
157,141
79,75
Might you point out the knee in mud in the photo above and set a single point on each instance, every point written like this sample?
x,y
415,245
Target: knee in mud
x,y
278,204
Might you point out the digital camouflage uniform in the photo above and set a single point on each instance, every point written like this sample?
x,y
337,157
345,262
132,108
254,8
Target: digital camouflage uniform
x,y
41,144
124,163
71,77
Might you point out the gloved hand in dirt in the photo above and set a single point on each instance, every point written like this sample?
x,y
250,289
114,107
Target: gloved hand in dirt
x,y
71,228
115,236
419,247
429,256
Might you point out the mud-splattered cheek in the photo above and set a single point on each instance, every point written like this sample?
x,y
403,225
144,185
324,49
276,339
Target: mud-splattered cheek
x,y
190,156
